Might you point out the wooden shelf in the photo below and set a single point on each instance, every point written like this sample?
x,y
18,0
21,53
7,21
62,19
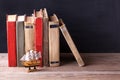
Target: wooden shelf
x,y
99,66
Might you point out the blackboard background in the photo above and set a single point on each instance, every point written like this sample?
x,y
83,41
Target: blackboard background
x,y
93,24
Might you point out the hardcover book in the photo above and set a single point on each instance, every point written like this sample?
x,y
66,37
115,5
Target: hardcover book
x,y
20,41
71,43
54,58
29,33
45,38
39,32
11,40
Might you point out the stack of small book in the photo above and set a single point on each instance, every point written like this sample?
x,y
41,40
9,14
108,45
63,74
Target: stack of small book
x,y
40,33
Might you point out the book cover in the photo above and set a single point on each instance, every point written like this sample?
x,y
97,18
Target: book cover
x,y
39,32
54,54
45,38
20,41
11,40
29,33
71,43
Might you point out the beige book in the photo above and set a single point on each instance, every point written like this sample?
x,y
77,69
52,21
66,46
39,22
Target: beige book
x,y
71,43
29,33
54,53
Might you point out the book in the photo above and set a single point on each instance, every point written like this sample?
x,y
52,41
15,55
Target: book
x,y
71,43
29,33
54,58
38,32
11,40
20,41
45,38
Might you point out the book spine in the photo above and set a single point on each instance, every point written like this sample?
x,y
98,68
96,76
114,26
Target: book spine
x,y
38,36
11,42
45,42
20,41
54,59
29,37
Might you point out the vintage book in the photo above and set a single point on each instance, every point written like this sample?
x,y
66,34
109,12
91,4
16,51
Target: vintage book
x,y
45,38
54,58
71,43
38,32
20,41
29,33
11,40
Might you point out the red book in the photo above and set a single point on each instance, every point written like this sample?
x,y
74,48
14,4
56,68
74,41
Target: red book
x,y
11,40
38,32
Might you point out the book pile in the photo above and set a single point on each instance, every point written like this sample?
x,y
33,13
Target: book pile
x,y
39,33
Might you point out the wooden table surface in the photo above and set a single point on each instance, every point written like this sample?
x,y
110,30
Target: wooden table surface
x,y
99,66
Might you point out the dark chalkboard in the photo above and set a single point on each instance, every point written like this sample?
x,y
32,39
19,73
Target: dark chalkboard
x,y
93,24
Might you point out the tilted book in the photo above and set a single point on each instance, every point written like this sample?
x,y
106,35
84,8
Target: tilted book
x,y
45,38
38,31
71,43
54,58
20,41
11,40
29,33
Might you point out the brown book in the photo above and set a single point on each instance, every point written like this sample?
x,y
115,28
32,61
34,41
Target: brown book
x,y
45,38
71,43
54,53
29,33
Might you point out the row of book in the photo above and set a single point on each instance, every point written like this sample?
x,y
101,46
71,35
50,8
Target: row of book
x,y
40,33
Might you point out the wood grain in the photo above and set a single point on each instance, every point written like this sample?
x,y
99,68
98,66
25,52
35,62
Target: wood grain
x,y
100,66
